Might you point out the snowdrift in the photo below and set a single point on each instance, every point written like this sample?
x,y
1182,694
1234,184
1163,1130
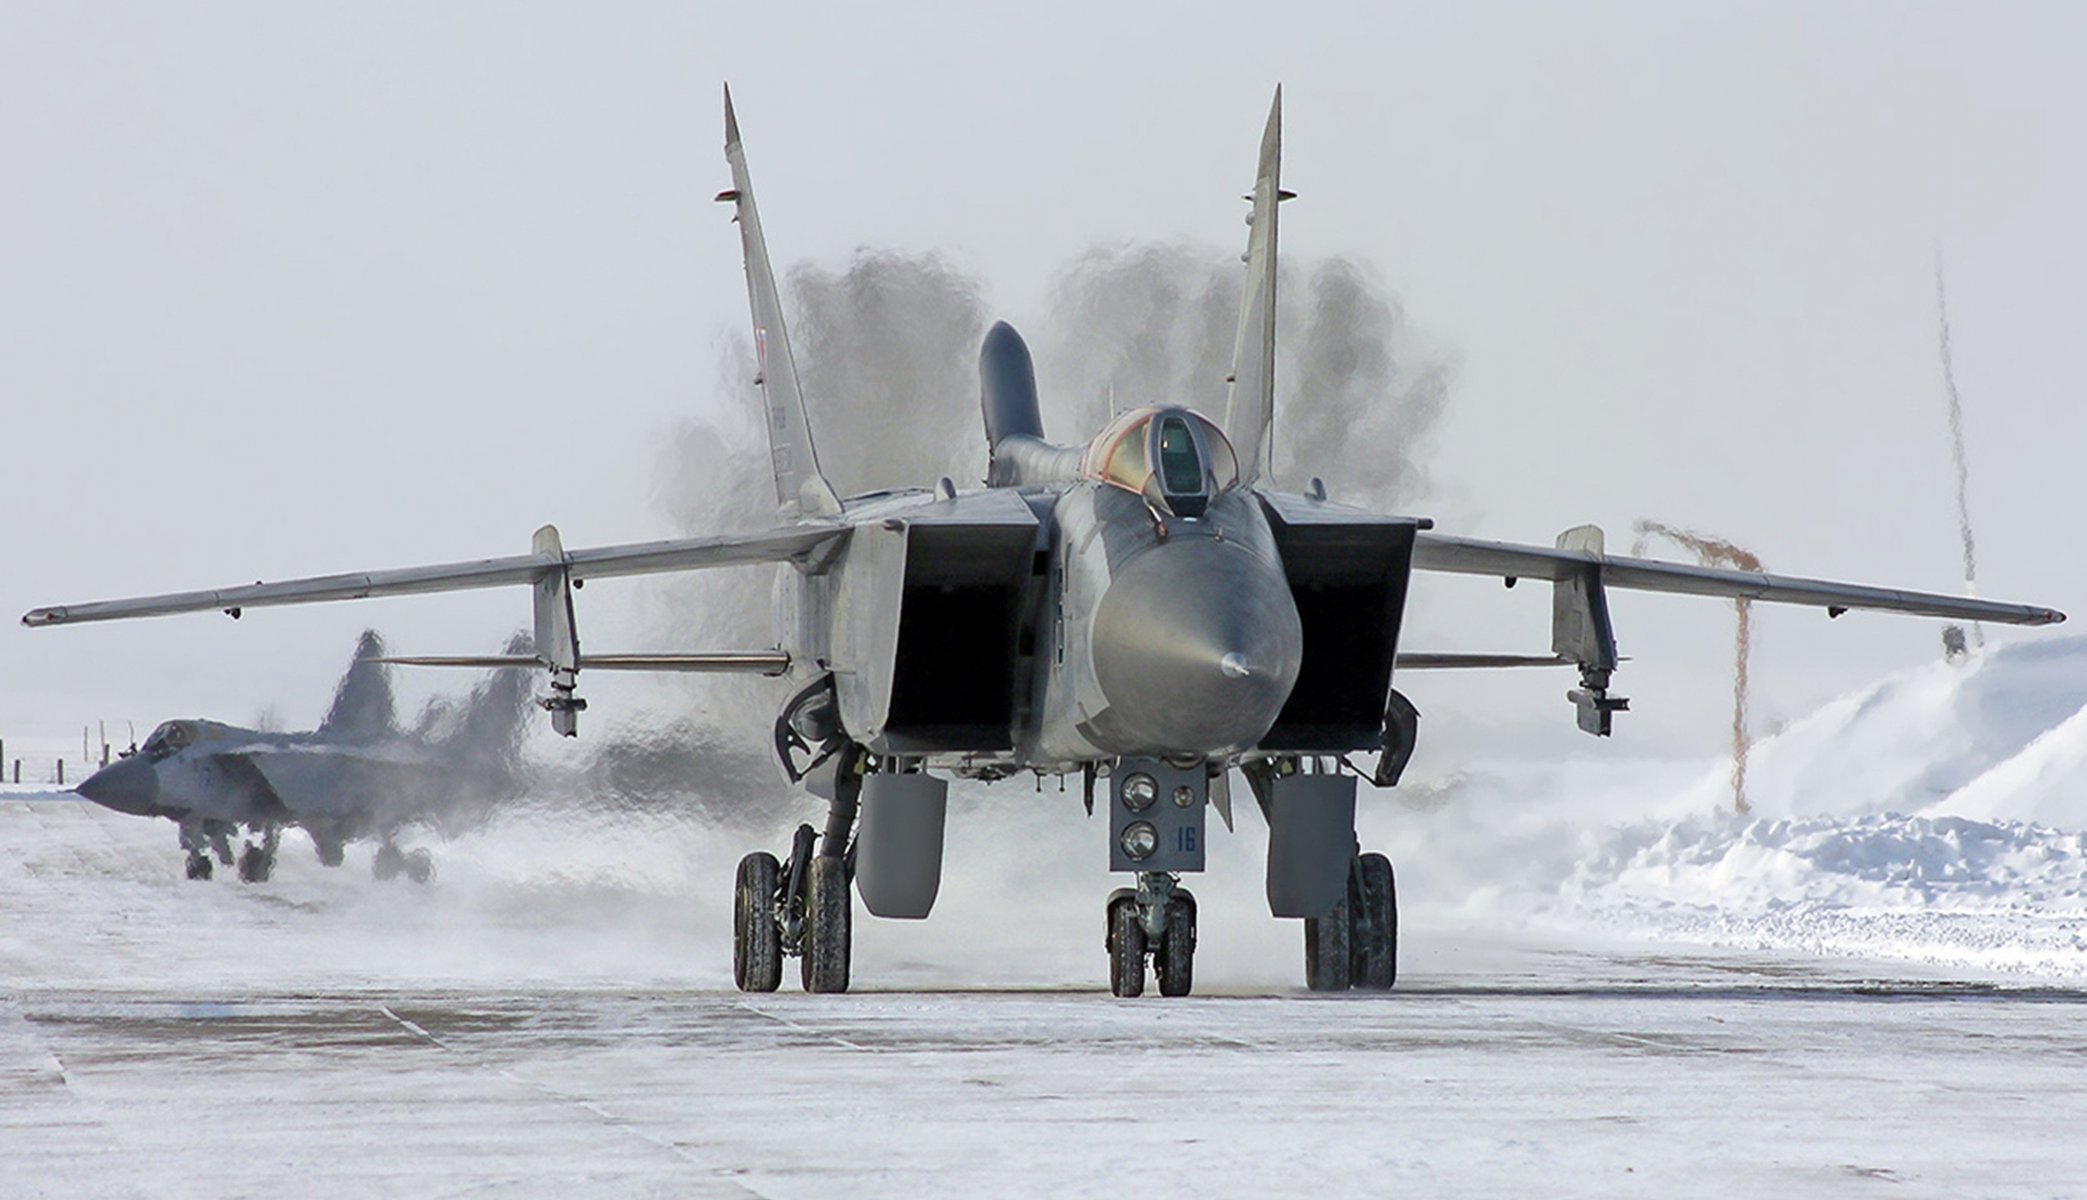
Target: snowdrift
x,y
1936,816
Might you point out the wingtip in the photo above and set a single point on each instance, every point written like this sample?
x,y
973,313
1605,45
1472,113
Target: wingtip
x,y
731,119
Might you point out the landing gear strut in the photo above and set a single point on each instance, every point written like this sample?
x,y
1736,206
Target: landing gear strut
x,y
257,859
202,841
803,908
1357,944
1157,918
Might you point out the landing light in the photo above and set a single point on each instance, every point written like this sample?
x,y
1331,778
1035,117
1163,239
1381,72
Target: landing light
x,y
1139,791
1140,839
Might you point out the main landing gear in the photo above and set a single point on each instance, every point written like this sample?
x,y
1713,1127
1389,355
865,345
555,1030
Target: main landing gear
x,y
1357,944
257,860
1156,918
802,909
391,862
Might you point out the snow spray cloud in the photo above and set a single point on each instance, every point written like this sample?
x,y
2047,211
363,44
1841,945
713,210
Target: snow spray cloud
x,y
1716,552
1356,393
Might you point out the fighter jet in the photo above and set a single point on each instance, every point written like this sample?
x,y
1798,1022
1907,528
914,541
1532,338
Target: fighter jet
x,y
1149,610
356,776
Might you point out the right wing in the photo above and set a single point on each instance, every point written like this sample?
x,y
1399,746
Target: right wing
x,y
797,544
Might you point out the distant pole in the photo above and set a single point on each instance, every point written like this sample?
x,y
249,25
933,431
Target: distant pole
x,y
61,772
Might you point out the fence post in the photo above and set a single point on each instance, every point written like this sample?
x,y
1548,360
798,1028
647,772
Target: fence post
x,y
61,772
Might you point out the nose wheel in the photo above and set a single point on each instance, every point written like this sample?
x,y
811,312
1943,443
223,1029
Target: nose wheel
x,y
1157,919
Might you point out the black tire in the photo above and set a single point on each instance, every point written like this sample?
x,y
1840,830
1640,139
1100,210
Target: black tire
x,y
199,866
387,864
1175,961
828,911
256,864
1126,949
757,942
420,866
1327,965
1373,936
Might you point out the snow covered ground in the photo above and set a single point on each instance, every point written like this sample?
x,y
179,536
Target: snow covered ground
x,y
1609,986
1939,816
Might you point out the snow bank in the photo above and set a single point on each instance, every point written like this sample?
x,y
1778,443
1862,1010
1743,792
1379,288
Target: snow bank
x,y
1936,816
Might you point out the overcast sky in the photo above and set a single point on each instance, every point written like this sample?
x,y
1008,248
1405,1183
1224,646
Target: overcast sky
x,y
287,290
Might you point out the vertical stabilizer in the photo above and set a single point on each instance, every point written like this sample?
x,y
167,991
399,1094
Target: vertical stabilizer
x,y
1250,407
800,489
362,703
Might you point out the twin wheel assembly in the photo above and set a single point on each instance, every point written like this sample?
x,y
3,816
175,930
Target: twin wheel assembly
x,y
803,907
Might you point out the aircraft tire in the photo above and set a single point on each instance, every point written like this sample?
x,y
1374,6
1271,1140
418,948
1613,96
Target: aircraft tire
x,y
1373,936
199,866
420,866
1327,963
388,862
828,910
1126,949
256,864
757,944
1175,961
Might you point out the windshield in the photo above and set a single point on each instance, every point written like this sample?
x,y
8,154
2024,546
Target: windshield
x,y
168,739
1174,457
1180,467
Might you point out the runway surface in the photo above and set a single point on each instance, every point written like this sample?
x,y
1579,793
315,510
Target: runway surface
x,y
328,1037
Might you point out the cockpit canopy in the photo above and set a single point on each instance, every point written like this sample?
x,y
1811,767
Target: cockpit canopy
x,y
1173,457
172,737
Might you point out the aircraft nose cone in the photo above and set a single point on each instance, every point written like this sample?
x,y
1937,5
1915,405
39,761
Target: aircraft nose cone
x,y
1196,645
128,785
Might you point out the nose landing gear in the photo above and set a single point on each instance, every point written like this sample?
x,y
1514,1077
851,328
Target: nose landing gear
x,y
1157,918
257,858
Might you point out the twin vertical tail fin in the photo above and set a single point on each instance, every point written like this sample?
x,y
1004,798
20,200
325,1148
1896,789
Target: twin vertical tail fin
x,y
1250,406
801,489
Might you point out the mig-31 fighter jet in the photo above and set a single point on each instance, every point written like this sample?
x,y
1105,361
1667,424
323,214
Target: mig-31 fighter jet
x,y
1149,610
357,776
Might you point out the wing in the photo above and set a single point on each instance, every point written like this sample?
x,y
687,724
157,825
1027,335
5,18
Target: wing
x,y
1250,404
798,544
1508,560
800,488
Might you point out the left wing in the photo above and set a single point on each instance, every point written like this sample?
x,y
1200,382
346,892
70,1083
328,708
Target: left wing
x,y
1508,560
1580,574
791,544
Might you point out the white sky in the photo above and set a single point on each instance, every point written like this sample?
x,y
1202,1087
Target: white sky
x,y
286,290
